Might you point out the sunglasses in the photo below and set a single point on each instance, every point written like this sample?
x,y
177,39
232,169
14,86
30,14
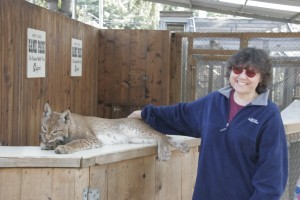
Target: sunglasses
x,y
249,72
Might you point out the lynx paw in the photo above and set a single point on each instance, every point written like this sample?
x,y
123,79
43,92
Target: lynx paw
x,y
63,149
184,147
45,146
164,153
181,146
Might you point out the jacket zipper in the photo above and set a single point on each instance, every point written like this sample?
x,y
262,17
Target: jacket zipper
x,y
227,124
223,129
228,110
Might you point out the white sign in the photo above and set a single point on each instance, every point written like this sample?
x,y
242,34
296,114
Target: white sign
x,y
76,57
36,53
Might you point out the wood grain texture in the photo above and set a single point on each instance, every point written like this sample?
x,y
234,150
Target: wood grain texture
x,y
22,99
140,72
123,70
135,179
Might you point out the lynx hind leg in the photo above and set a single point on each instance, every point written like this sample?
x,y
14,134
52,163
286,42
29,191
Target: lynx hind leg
x,y
181,146
163,150
78,145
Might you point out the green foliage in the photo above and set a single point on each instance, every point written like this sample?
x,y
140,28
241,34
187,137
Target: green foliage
x,y
129,14
119,14
41,3
134,14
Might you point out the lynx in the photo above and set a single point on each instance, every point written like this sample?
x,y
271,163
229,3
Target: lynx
x,y
68,132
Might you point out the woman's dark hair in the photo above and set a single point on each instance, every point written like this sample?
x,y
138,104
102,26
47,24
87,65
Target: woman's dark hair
x,y
254,58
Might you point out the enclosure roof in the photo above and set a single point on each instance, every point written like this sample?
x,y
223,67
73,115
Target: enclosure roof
x,y
274,10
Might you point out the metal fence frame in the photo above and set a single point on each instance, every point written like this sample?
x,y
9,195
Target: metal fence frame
x,y
217,50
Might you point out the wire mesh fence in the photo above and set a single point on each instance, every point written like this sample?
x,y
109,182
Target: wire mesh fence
x,y
204,64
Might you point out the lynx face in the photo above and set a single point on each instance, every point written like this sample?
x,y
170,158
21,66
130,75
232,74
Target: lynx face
x,y
54,128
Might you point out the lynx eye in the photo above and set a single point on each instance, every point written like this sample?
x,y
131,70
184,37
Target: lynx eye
x,y
44,128
55,131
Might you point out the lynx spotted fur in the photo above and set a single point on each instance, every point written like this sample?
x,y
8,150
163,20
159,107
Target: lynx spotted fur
x,y
69,132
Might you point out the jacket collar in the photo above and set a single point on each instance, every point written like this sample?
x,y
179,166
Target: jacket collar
x,y
260,100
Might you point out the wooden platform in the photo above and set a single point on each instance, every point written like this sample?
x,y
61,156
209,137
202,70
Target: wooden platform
x,y
128,171
291,117
291,121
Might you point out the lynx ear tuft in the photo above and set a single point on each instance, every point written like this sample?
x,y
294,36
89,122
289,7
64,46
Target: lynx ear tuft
x,y
65,116
47,110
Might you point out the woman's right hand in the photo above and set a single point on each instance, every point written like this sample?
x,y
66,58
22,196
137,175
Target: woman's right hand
x,y
136,114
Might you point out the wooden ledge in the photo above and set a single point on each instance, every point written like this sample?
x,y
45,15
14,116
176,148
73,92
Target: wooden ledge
x,y
33,156
291,118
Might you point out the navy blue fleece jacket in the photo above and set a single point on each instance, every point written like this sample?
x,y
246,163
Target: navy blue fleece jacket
x,y
243,160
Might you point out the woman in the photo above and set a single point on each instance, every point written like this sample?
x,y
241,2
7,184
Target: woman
x,y
243,152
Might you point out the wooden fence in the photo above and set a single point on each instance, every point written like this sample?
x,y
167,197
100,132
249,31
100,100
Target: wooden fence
x,y
122,70
134,69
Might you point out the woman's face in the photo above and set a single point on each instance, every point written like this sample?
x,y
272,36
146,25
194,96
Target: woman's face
x,y
244,81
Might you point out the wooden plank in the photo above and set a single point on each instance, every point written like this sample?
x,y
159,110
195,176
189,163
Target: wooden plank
x,y
62,64
137,91
108,69
82,181
137,79
165,67
148,184
131,178
122,65
125,155
10,187
154,67
24,96
66,190
26,156
29,20
33,156
175,69
137,73
39,162
121,152
189,165
9,55
64,183
17,74
77,82
292,126
93,65
168,179
37,183
48,83
100,75
2,27
43,183
138,49
99,179
33,87
87,97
